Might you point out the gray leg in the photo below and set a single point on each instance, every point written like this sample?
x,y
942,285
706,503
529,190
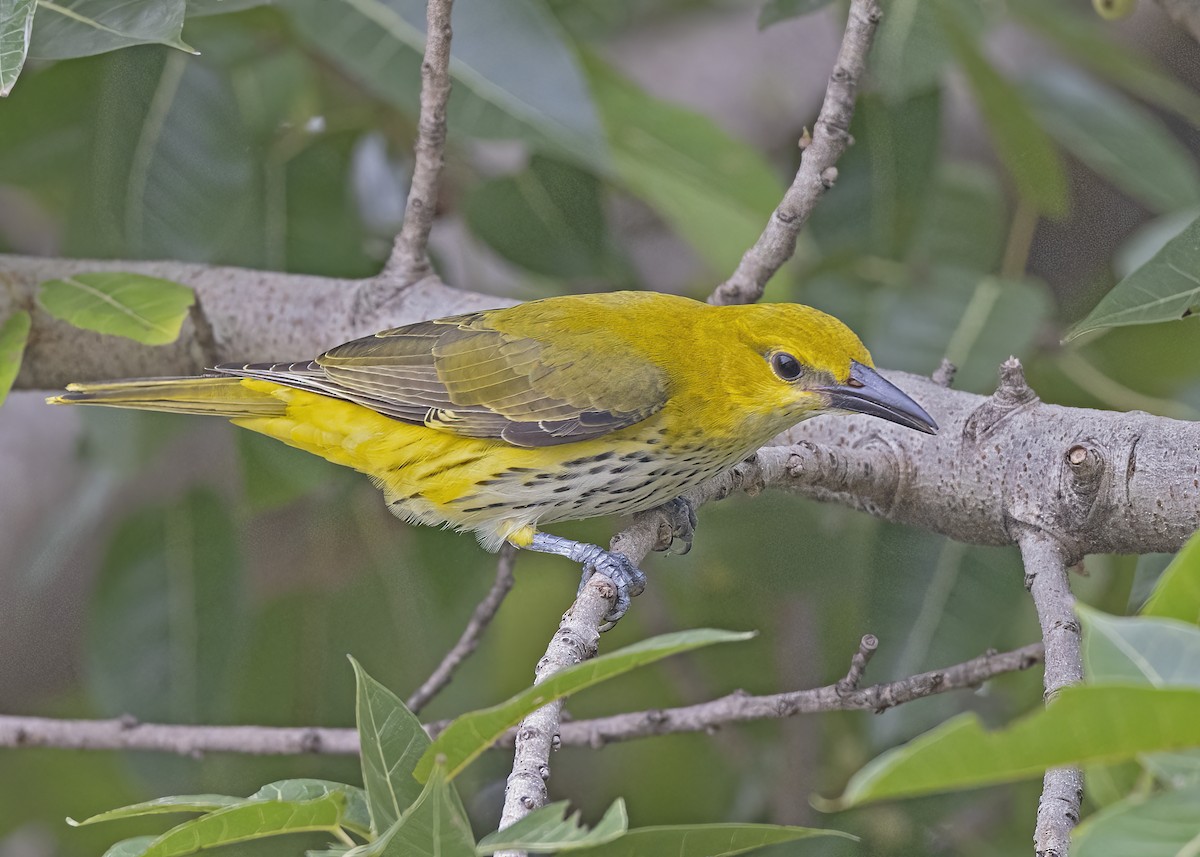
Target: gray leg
x,y
682,515
627,577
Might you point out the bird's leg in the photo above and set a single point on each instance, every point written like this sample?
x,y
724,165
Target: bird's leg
x,y
681,514
626,576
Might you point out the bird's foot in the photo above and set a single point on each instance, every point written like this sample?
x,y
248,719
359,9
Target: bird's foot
x,y
626,577
681,516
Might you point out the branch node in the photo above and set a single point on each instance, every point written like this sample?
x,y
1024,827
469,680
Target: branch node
x,y
944,374
829,177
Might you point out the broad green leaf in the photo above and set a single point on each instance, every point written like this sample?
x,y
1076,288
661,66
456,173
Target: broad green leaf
x,y
1177,593
80,28
16,23
174,171
542,98
250,820
134,847
547,218
165,618
704,840
158,806
1162,825
434,826
717,192
135,306
1090,723
551,829
1023,147
910,50
774,11
1141,245
965,221
1137,649
200,8
1090,43
468,736
392,741
1164,289
1122,142
13,335
355,814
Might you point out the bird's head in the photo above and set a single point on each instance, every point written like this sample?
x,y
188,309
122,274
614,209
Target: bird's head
x,y
801,362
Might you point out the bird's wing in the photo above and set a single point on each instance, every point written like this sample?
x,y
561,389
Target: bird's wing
x,y
461,375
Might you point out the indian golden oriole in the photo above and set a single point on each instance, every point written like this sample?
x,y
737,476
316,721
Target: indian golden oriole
x,y
558,409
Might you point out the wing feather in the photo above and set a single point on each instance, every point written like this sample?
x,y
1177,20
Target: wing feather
x,y
464,376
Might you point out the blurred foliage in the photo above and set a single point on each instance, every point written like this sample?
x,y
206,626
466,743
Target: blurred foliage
x,y
233,596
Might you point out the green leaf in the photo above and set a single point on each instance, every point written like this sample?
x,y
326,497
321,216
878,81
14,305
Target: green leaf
x,y
1177,593
542,98
910,51
717,192
550,829
469,735
434,826
548,219
1091,723
274,475
13,335
1023,147
173,170
81,28
201,8
1139,650
135,306
392,741
134,847
1122,142
158,806
165,617
1092,46
704,840
775,11
965,222
16,22
1162,825
355,814
250,820
1164,289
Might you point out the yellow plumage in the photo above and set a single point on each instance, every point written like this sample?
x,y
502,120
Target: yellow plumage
x,y
558,409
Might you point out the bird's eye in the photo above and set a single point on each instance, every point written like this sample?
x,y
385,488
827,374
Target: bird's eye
x,y
786,366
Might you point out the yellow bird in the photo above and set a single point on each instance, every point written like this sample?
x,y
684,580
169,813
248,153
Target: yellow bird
x,y
559,409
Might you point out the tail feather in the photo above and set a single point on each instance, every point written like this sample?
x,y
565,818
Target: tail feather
x,y
224,397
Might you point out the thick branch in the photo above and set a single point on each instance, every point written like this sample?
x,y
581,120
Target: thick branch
x,y
251,315
409,261
483,615
1185,13
1046,577
122,734
831,135
575,641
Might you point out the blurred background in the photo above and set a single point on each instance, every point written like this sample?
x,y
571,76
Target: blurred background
x,y
1012,160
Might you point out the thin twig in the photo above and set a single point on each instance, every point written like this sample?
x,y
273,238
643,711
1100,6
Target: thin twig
x,y
485,611
1046,578
409,261
817,172
127,734
575,641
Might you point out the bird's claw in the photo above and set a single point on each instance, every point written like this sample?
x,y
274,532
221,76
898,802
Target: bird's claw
x,y
626,577
681,515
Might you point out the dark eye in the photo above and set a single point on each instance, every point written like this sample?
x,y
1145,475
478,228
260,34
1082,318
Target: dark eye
x,y
786,366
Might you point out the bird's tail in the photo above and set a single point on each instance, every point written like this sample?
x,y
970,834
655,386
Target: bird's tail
x,y
224,397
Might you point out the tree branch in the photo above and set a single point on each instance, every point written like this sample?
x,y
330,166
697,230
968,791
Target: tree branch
x,y
409,261
738,707
1185,13
817,173
484,612
1046,579
575,641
